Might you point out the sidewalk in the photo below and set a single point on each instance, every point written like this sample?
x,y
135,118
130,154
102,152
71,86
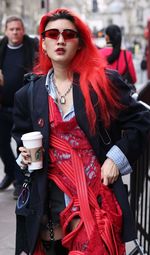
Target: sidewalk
x,y
7,220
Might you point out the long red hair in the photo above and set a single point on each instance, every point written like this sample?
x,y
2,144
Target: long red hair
x,y
88,64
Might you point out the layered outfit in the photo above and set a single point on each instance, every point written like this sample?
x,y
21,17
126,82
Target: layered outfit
x,y
70,181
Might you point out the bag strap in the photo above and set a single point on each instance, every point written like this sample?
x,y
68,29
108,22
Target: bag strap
x,y
125,57
127,70
117,65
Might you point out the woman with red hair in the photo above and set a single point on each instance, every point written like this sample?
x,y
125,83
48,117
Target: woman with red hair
x,y
77,203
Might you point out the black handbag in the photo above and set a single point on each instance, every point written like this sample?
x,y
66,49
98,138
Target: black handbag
x,y
127,76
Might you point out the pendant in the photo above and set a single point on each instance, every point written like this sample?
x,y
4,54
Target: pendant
x,y
62,100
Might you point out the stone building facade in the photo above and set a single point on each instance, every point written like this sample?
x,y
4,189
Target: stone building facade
x,y
131,15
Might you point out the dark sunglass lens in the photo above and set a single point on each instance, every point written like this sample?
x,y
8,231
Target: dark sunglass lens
x,y
52,33
69,34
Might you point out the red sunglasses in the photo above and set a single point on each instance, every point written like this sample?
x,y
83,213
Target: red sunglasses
x,y
54,33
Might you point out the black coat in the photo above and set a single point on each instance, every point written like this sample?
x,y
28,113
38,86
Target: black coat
x,y
30,51
134,120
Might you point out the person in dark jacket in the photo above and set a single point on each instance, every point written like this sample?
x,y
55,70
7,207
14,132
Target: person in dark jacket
x,y
17,56
93,131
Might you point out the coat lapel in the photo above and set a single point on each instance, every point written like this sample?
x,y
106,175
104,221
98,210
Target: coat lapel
x,y
98,140
40,105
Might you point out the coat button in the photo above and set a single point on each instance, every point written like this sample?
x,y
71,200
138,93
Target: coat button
x,y
41,122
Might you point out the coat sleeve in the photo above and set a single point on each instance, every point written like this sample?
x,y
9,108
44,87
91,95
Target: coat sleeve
x,y
21,115
133,120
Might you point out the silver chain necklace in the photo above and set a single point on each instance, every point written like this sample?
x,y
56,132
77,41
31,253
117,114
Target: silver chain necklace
x,y
62,99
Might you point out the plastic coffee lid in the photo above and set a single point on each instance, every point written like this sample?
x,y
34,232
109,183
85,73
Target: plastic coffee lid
x,y
32,135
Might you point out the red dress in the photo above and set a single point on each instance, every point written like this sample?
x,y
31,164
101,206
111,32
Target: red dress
x,y
76,170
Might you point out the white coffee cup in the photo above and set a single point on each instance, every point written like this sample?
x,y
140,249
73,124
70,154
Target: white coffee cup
x,y
33,142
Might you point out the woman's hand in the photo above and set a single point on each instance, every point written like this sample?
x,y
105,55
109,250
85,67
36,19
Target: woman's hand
x,y
26,158
109,172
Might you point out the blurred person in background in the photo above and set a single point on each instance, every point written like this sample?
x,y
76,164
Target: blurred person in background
x,y
118,58
17,56
77,203
147,48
